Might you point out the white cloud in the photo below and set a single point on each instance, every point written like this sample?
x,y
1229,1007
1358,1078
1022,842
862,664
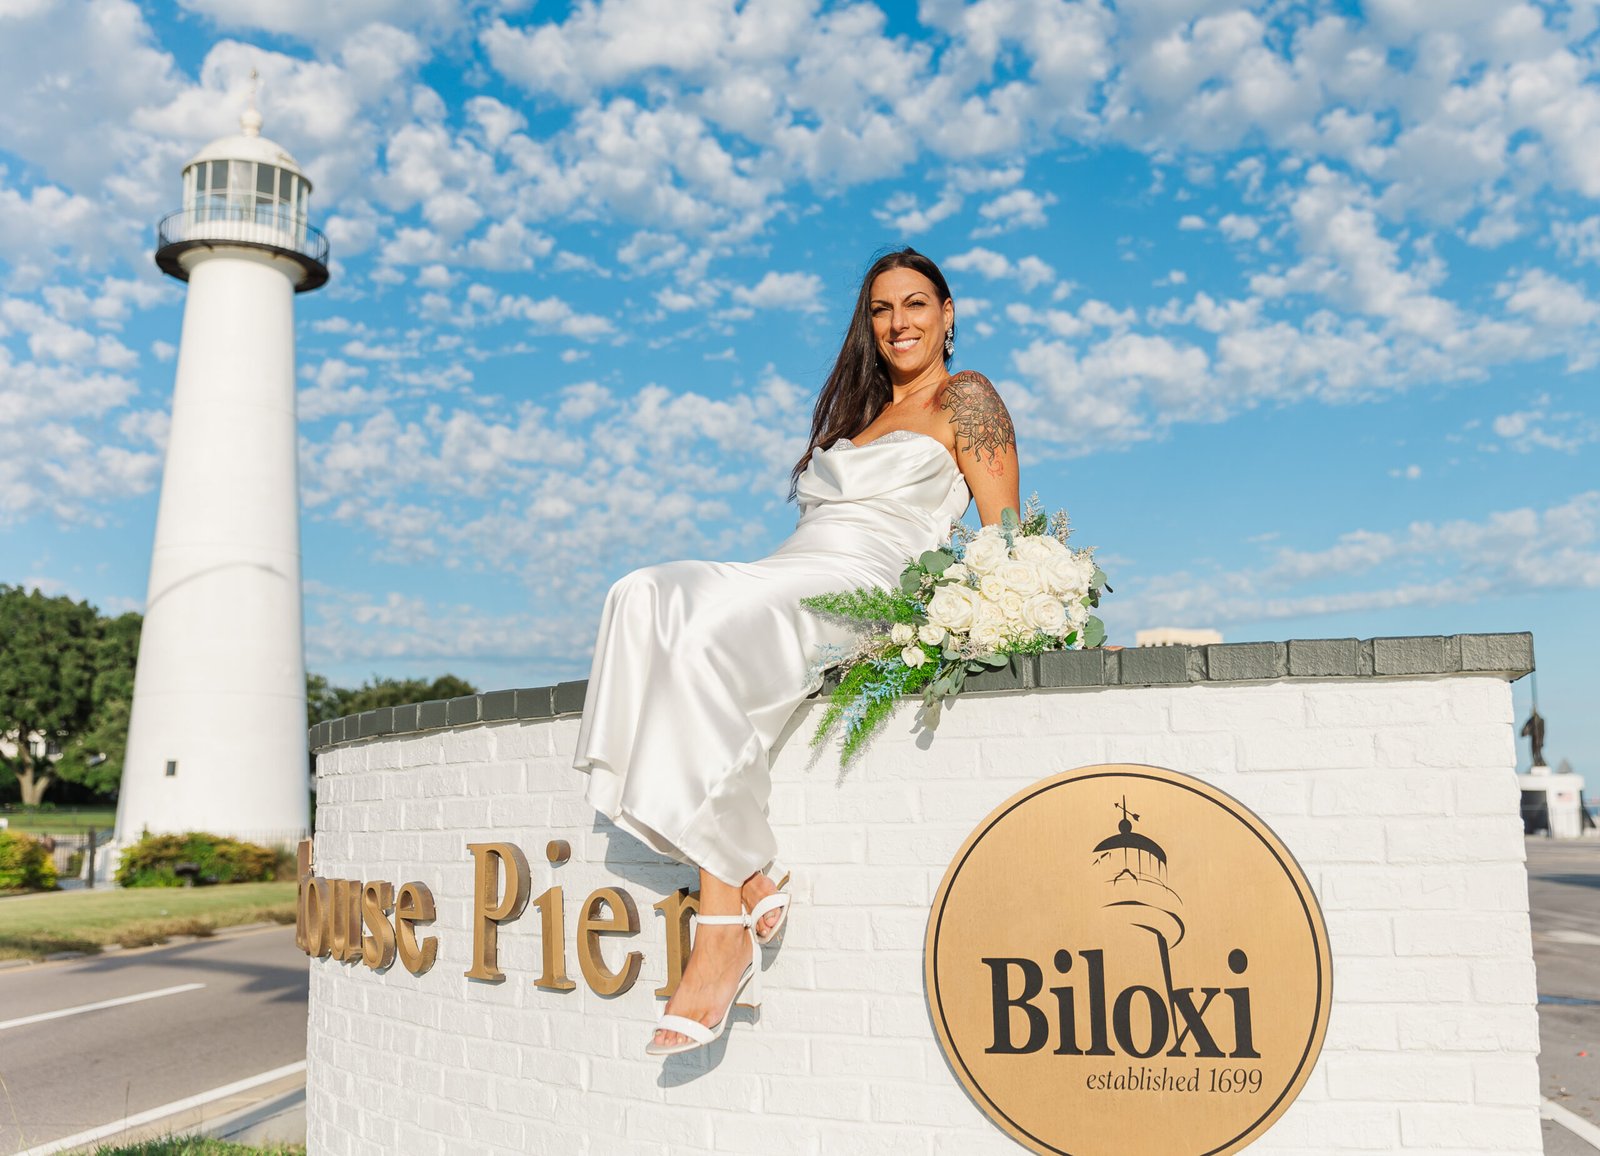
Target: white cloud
x,y
561,497
1238,227
335,391
1540,429
553,315
1017,209
1347,260
1421,564
1578,240
1550,300
800,292
315,21
904,211
48,464
362,628
1029,272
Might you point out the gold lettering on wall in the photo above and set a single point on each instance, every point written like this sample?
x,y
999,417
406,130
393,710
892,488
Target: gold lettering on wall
x,y
377,949
676,909
492,903
552,943
302,872
375,923
623,920
412,905
345,942
318,905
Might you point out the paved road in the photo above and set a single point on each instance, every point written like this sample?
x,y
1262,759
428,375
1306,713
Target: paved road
x,y
1564,897
66,1075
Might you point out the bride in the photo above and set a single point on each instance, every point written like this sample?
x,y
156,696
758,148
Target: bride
x,y
699,665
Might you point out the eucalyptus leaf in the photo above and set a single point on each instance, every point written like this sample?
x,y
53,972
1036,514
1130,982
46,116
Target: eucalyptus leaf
x,y
1094,632
910,583
1099,578
935,561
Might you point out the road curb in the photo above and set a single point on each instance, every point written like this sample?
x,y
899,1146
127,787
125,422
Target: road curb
x,y
60,957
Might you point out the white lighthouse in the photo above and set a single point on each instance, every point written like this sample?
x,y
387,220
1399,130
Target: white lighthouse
x,y
217,736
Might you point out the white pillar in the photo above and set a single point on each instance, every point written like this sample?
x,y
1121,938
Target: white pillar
x,y
217,736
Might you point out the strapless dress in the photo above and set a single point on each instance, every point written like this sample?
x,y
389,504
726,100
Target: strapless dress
x,y
699,665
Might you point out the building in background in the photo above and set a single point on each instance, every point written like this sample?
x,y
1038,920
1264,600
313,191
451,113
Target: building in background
x,y
1175,636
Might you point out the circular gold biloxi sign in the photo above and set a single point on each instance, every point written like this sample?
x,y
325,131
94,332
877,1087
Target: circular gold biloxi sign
x,y
1123,959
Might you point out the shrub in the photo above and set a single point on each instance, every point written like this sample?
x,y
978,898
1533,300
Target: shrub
x,y
24,864
154,861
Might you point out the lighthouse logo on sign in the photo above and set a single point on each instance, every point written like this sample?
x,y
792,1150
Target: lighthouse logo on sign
x,y
1124,959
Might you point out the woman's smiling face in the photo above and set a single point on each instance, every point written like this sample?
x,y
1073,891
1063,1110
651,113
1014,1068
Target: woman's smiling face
x,y
908,322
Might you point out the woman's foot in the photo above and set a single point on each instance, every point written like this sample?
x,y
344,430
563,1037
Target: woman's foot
x,y
755,889
716,963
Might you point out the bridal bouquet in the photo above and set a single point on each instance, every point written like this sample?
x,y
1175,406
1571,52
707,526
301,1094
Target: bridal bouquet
x,y
1011,589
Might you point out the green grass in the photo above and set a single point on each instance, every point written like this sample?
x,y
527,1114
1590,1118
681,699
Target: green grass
x,y
199,1146
60,822
33,926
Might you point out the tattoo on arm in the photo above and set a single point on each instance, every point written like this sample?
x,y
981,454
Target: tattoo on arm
x,y
982,425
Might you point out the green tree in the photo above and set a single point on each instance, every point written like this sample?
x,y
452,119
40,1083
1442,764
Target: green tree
x,y
325,701
95,758
48,651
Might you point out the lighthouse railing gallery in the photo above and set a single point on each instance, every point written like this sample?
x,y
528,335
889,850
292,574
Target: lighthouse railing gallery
x,y
271,225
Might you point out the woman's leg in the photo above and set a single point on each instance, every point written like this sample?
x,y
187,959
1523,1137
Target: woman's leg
x,y
720,954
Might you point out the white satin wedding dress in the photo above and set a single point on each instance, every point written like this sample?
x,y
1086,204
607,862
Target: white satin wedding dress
x,y
699,665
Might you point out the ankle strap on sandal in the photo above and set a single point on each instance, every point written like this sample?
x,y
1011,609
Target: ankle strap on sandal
x,y
730,920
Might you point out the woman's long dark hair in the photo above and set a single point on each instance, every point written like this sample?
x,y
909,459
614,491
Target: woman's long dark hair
x,y
858,388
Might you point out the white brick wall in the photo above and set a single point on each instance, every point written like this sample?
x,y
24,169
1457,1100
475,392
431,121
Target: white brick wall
x,y
1396,795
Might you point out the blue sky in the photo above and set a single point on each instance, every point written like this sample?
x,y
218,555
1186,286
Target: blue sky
x,y
1294,303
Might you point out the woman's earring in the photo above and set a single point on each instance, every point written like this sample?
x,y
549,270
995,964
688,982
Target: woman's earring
x,y
950,341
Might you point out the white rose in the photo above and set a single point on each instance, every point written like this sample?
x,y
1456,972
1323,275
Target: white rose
x,y
985,552
1066,575
956,572
1045,612
931,633
914,656
992,586
1054,546
1077,615
1011,605
903,634
1023,577
987,636
1033,549
990,613
954,608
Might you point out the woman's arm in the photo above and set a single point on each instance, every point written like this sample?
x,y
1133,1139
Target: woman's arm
x,y
986,443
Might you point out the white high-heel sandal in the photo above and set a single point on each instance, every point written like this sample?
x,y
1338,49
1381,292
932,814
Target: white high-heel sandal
x,y
778,901
749,987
